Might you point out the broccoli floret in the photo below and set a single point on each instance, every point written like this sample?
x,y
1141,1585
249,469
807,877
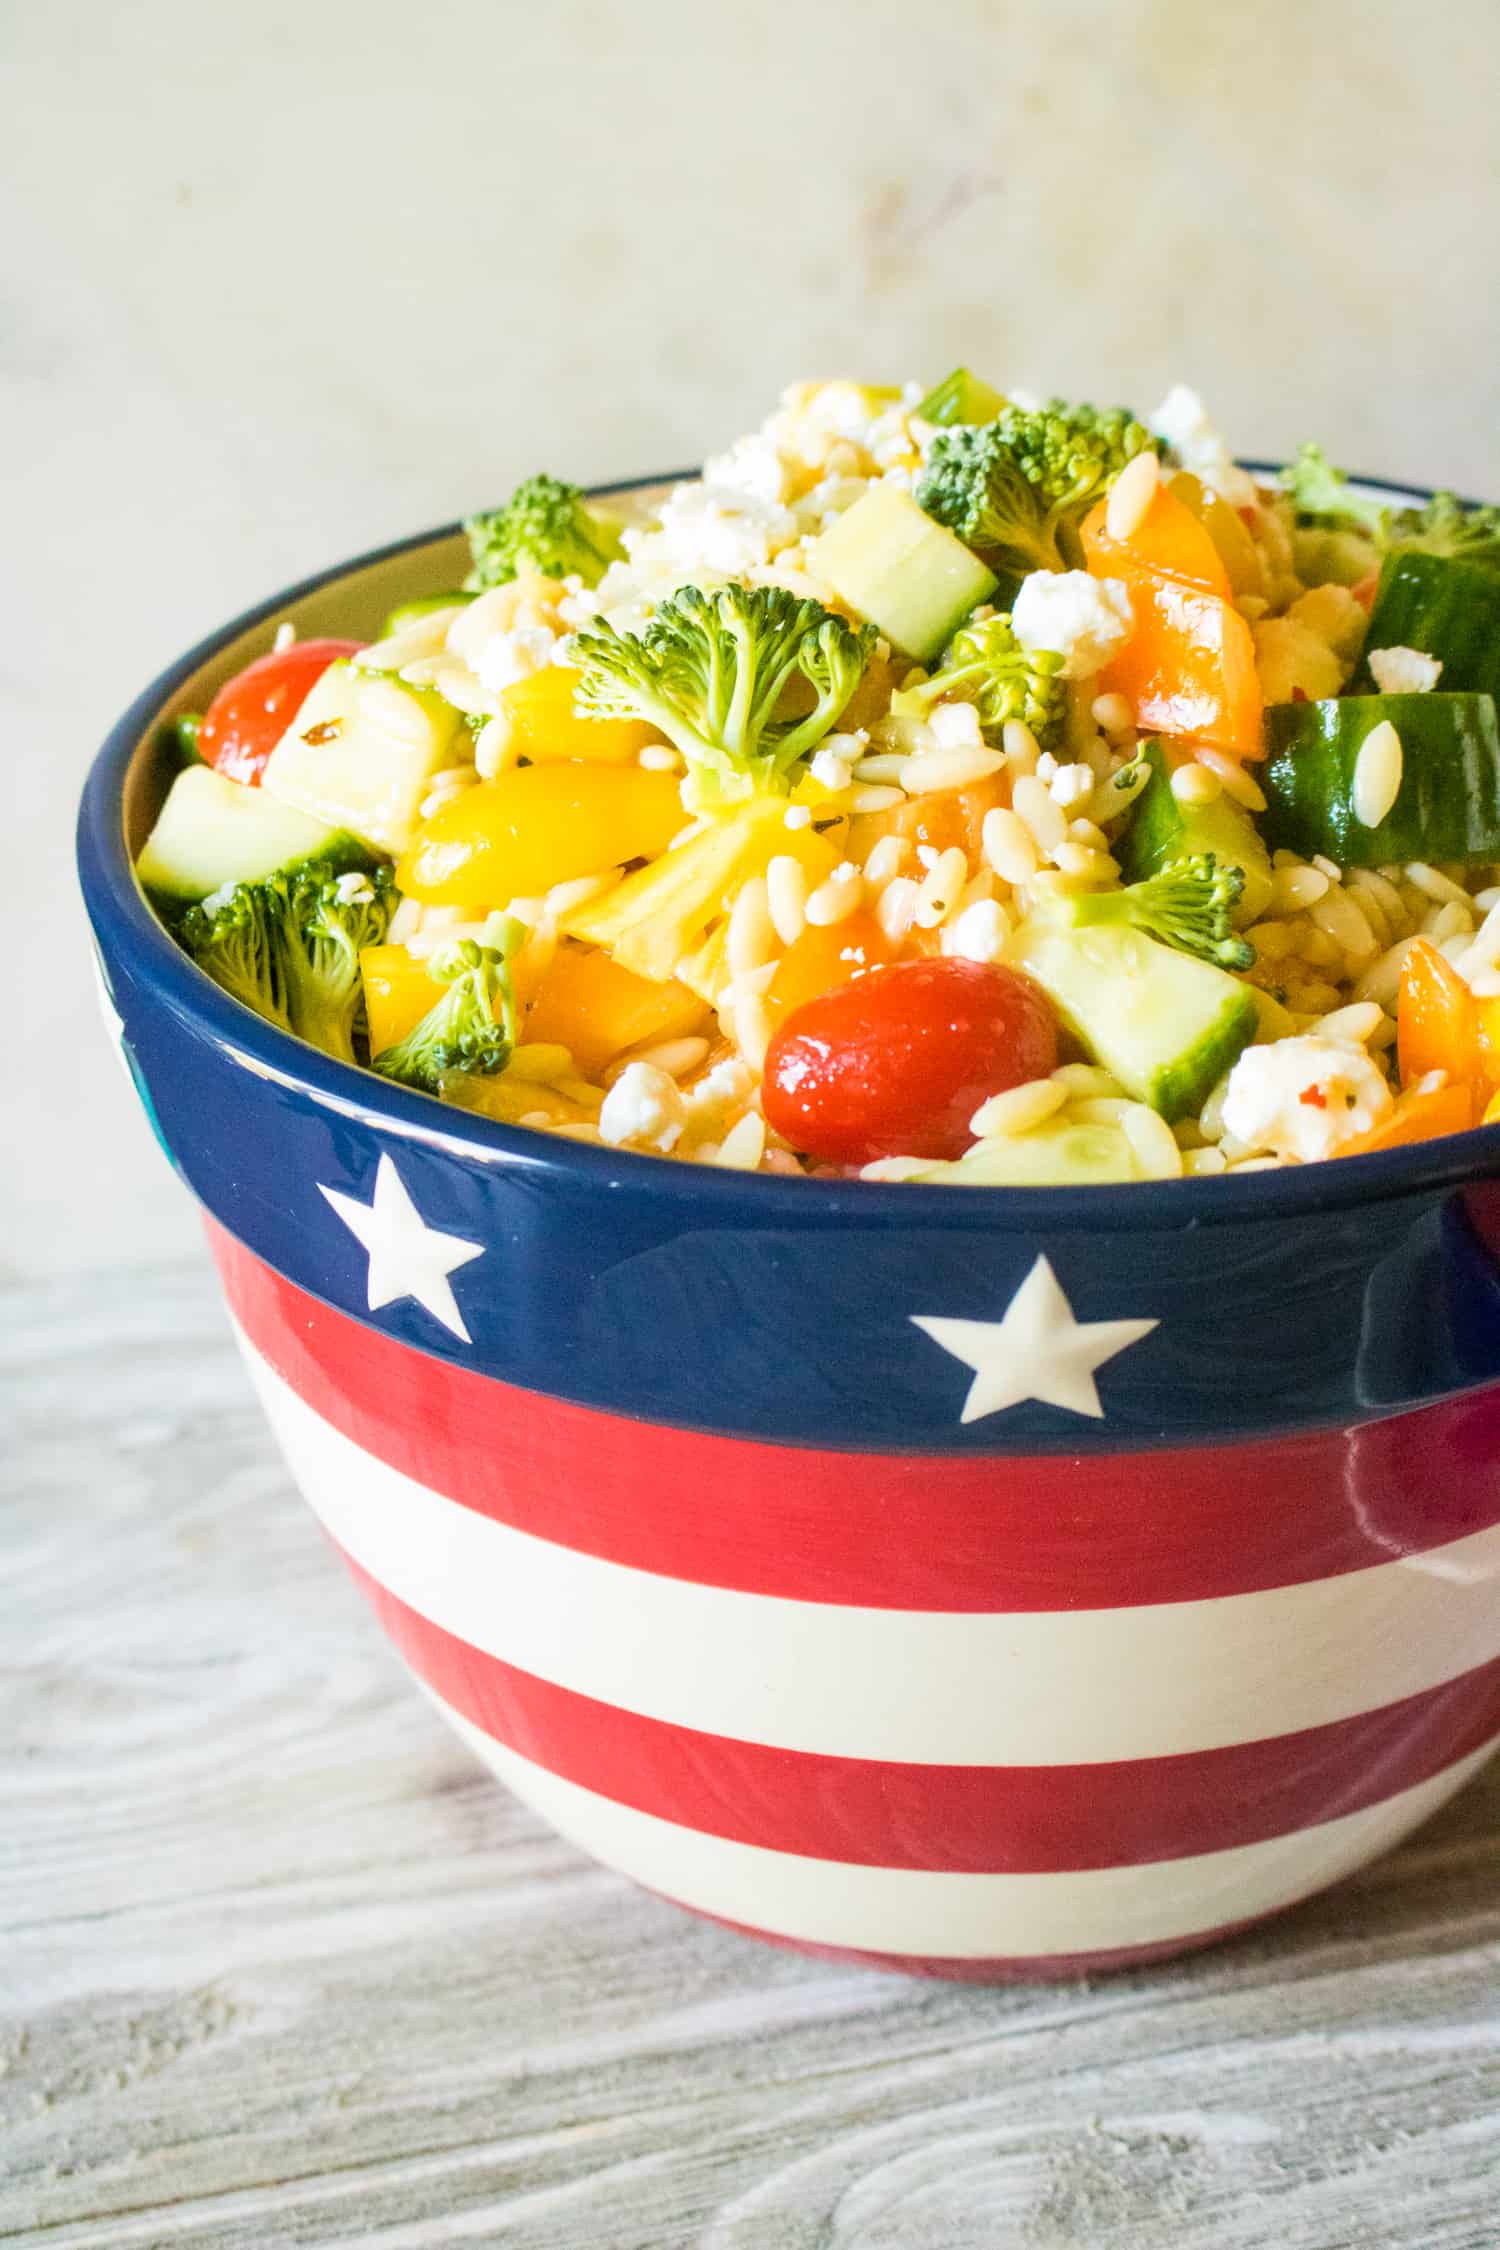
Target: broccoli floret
x,y
235,935
1446,527
1017,489
327,919
986,665
473,1026
710,671
1442,526
1188,904
545,526
288,946
1321,492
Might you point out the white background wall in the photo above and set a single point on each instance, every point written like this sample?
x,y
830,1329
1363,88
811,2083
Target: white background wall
x,y
284,282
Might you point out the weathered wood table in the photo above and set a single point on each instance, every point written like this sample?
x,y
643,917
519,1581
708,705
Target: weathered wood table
x,y
279,1966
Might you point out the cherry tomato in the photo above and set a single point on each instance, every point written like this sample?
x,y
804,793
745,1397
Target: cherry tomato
x,y
251,712
896,1063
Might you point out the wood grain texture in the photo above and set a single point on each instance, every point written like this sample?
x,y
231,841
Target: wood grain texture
x,y
278,1967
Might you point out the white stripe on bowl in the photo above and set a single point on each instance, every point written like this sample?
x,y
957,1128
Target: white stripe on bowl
x,y
963,1916
1061,1687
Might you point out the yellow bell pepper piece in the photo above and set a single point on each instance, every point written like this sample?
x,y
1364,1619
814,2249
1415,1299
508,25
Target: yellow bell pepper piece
x,y
398,993
534,826
1237,551
707,972
657,917
546,725
589,1004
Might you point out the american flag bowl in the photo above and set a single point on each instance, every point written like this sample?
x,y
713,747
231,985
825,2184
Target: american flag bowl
x,y
986,1583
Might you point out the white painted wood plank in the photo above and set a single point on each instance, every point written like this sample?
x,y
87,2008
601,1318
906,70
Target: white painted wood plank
x,y
277,1966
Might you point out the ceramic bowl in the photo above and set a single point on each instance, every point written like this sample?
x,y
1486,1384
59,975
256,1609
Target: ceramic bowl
x,y
989,1583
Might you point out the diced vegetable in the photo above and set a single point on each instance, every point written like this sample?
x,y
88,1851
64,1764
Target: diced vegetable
x,y
897,1062
1059,1153
399,991
1189,666
1226,527
251,712
590,1004
658,915
825,957
1447,609
1169,540
425,605
1162,829
909,576
940,818
213,831
1439,1025
1416,1117
1167,1025
361,753
534,826
960,397
546,723
1447,806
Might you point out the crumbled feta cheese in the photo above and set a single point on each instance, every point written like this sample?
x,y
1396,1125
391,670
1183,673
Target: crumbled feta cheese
x,y
719,1095
1183,421
797,816
955,726
220,897
1085,619
1404,671
829,770
711,527
643,1109
354,888
508,657
753,468
1303,1097
978,933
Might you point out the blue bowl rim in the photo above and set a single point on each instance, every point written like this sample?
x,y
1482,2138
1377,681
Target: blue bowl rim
x,y
114,898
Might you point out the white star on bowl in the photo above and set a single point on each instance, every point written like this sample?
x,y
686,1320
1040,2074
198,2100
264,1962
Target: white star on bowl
x,y
1037,1351
408,1258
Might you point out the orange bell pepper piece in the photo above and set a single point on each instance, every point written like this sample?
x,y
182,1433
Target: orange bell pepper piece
x,y
1189,666
545,723
534,826
825,957
1169,540
589,1004
1417,1117
940,818
1438,1023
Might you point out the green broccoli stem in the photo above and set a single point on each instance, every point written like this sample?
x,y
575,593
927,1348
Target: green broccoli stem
x,y
1188,904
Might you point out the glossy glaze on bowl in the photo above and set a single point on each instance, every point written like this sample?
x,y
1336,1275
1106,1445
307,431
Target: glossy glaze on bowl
x,y
992,1582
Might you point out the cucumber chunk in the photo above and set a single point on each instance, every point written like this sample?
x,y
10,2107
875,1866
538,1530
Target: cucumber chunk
x,y
1446,609
1050,1155
1161,830
1448,804
213,831
361,753
425,605
1167,1025
959,397
908,575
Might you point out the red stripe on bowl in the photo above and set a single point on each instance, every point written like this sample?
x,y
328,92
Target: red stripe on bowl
x,y
959,1532
942,1818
